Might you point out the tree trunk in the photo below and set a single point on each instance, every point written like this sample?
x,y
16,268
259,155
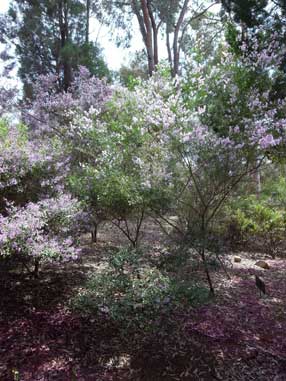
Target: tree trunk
x,y
203,254
148,40
149,31
176,44
155,29
87,21
156,55
258,183
94,233
170,59
206,268
36,268
64,33
176,55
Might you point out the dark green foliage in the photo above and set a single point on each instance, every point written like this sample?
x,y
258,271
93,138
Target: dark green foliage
x,y
90,56
134,294
257,19
51,37
126,291
249,12
232,37
175,259
190,293
260,223
137,69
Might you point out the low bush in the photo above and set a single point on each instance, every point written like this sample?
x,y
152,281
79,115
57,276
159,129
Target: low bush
x,y
134,294
261,224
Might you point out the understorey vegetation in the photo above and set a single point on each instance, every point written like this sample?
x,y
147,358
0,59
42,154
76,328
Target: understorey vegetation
x,y
143,219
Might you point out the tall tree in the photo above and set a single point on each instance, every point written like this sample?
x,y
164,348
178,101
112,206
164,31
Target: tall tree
x,y
170,18
52,36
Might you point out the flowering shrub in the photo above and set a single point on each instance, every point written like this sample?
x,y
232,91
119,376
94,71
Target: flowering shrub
x,y
126,142
38,219
16,157
41,231
185,142
235,97
29,168
66,114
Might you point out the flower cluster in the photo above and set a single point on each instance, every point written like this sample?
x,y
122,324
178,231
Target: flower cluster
x,y
41,230
59,113
235,98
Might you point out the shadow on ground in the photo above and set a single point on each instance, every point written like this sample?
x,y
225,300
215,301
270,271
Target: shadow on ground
x,y
42,340
240,337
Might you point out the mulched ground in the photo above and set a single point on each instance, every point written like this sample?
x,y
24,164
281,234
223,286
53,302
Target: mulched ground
x,y
238,336
246,330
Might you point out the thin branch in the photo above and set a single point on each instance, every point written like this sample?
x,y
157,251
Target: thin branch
x,y
157,221
198,15
226,194
117,224
167,221
192,175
